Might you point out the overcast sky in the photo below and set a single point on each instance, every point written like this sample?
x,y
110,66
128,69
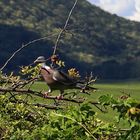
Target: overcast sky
x,y
126,8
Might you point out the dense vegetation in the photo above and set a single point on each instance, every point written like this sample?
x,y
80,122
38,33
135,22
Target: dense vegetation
x,y
21,121
103,43
25,114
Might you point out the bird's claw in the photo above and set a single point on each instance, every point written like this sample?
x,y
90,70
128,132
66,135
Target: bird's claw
x,y
60,97
46,94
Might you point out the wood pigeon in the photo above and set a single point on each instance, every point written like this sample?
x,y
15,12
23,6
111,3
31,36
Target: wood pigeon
x,y
58,80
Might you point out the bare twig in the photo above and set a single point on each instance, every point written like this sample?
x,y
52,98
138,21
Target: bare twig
x,y
64,28
18,91
23,83
47,106
39,94
39,39
22,47
38,104
104,111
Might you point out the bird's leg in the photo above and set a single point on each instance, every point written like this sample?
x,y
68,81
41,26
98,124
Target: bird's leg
x,y
61,95
46,94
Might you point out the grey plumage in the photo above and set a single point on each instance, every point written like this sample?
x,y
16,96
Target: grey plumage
x,y
57,80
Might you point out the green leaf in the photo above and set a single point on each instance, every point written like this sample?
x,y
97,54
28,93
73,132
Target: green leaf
x,y
107,99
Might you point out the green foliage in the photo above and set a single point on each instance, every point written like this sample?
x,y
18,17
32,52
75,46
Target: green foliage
x,y
106,99
113,42
128,110
21,121
20,118
31,72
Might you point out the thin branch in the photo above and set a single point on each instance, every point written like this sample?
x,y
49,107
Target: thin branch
x,y
104,111
39,39
64,28
47,106
23,83
22,47
38,104
39,94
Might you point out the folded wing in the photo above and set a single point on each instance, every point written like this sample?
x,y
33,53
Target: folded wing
x,y
63,78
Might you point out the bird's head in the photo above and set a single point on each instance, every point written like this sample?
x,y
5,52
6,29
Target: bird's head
x,y
40,59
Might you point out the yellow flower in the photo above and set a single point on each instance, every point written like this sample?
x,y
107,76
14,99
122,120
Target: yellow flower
x,y
73,73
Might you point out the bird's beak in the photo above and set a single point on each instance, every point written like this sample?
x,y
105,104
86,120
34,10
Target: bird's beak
x,y
39,61
35,61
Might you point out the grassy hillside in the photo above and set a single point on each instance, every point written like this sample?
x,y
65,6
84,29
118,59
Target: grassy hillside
x,y
103,43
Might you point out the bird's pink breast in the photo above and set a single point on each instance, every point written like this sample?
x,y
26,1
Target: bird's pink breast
x,y
47,75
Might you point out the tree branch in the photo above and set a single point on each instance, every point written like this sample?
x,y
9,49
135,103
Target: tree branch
x,y
64,28
38,105
40,94
22,47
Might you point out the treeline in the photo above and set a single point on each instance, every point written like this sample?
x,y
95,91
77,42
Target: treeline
x,y
105,44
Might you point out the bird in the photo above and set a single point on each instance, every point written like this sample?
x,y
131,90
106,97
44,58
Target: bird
x,y
56,79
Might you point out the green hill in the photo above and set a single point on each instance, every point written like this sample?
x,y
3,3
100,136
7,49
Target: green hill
x,y
96,41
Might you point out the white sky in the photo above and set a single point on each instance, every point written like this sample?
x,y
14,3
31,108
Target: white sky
x,y
126,8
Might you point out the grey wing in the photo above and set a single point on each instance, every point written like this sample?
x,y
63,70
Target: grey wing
x,y
63,78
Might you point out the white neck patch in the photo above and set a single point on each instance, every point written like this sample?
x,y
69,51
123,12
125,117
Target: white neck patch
x,y
45,66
